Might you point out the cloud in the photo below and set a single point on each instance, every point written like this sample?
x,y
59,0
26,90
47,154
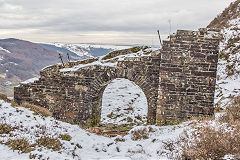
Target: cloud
x,y
120,17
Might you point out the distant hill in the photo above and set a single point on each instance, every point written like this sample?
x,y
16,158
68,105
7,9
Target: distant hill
x,y
228,74
84,49
64,51
21,60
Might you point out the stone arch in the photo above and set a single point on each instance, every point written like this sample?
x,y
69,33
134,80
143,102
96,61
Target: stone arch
x,y
104,78
123,99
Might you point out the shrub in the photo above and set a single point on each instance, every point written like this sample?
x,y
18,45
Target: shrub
x,y
210,143
66,137
37,109
50,143
20,144
232,112
5,128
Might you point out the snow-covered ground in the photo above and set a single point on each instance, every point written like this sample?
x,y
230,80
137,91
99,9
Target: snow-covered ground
x,y
123,103
83,145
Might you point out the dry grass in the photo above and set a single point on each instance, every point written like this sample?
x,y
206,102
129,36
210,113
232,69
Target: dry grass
x,y
222,20
37,109
5,128
50,143
141,133
4,97
232,112
206,142
210,143
20,144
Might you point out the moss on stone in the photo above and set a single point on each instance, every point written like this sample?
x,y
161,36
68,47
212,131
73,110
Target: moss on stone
x,y
93,122
122,52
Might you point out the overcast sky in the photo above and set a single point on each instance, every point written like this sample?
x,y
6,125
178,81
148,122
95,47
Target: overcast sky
x,y
103,21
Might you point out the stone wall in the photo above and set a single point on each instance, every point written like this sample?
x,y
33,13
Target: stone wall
x,y
178,83
188,75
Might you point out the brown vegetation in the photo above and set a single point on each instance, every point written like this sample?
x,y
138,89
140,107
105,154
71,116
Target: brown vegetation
x,y
20,144
37,109
232,112
207,142
4,97
5,128
229,13
210,143
141,133
50,143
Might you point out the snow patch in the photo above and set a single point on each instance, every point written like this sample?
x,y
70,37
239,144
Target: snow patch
x,y
32,80
5,50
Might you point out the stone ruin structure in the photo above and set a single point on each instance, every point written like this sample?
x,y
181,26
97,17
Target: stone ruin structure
x,y
179,82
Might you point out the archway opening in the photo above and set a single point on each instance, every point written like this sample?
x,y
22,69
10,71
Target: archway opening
x,y
123,103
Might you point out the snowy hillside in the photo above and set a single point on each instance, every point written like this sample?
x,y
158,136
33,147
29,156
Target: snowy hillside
x,y
26,135
71,142
228,74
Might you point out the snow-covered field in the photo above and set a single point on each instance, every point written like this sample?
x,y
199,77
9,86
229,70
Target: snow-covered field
x,y
83,145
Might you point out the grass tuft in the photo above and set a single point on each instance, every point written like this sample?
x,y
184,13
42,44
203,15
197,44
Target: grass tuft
x,y
21,145
5,128
232,112
4,97
66,137
50,143
139,134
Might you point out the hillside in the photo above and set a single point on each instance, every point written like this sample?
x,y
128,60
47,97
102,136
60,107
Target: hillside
x,y
21,60
230,13
228,74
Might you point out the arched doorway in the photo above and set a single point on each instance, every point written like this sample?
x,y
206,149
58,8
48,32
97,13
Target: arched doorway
x,y
123,102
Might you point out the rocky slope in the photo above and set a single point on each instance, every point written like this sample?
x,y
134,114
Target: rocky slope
x,y
228,74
